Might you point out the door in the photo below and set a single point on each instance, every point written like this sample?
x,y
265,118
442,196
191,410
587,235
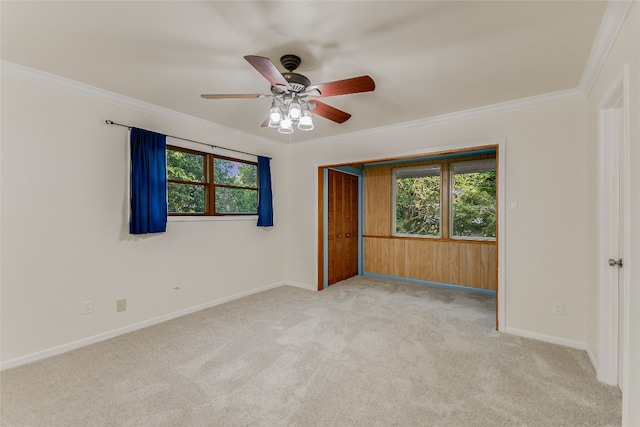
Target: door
x,y
613,243
342,223
618,263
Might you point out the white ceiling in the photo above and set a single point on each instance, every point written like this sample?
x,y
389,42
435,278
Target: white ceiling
x,y
427,58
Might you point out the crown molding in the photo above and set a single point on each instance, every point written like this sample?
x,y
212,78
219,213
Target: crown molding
x,y
464,115
612,20
11,69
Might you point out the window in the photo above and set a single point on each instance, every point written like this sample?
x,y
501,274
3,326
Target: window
x,y
473,199
206,184
417,200
449,200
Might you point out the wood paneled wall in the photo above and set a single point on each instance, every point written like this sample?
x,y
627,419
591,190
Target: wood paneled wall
x,y
377,201
453,261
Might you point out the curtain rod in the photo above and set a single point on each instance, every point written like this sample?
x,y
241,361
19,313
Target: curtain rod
x,y
111,122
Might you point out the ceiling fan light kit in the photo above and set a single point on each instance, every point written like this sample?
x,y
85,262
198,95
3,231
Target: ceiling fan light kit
x,y
275,115
291,94
306,121
285,112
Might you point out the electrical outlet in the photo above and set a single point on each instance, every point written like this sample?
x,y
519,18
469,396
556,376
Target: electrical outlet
x,y
87,307
558,308
121,305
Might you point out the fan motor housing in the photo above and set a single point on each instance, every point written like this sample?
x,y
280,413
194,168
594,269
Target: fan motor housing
x,y
298,82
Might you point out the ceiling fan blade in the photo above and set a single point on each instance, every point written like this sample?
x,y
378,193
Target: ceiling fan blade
x,y
268,70
234,96
329,112
345,87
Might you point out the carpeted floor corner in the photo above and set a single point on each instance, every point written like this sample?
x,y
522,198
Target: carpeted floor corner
x,y
365,352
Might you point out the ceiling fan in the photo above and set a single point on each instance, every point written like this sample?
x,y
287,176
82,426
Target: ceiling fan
x,y
293,95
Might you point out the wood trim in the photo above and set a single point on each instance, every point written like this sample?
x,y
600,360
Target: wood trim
x,y
445,195
176,181
233,159
210,200
186,150
236,187
409,157
320,284
435,239
497,255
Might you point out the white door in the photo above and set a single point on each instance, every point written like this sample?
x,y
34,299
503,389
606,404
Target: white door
x,y
617,263
613,220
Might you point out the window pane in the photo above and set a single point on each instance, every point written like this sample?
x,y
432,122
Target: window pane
x,y
418,201
474,200
230,172
236,200
185,198
182,166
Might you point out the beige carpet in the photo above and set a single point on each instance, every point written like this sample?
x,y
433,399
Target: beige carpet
x,y
365,352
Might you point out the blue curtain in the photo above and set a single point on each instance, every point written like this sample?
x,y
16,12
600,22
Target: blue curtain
x,y
265,196
148,182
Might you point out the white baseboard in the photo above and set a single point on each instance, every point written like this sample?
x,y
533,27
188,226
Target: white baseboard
x,y
547,338
53,351
592,358
303,286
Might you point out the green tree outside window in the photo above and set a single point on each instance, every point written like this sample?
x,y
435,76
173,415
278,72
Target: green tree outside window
x,y
474,204
418,201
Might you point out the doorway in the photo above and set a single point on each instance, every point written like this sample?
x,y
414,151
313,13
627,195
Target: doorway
x,y
613,243
356,167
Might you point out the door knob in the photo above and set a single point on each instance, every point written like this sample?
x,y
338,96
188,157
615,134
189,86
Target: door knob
x,y
613,262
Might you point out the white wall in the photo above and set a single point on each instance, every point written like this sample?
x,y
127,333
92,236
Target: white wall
x,y
546,240
626,50
65,233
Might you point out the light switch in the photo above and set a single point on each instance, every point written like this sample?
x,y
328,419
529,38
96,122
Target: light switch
x,y
513,206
